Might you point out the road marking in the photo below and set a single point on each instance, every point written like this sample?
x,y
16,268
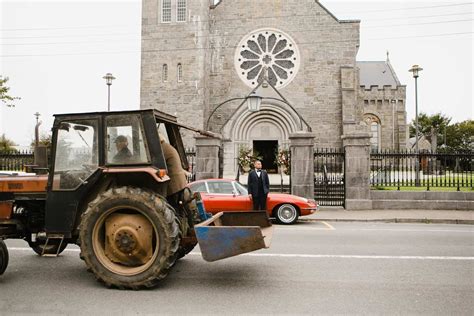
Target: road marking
x,y
410,230
281,255
29,249
328,225
308,256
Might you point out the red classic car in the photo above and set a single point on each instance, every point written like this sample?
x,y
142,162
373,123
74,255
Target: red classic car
x,y
229,195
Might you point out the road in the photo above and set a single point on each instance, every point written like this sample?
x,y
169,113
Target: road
x,y
311,268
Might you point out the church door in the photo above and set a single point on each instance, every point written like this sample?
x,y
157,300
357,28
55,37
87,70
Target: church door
x,y
267,149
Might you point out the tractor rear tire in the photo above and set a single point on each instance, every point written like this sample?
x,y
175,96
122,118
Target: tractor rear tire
x,y
3,257
51,249
165,238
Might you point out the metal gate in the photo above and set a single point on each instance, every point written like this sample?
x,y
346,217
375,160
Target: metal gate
x,y
329,188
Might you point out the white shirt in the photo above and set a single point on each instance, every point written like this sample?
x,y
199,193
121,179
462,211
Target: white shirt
x,y
258,173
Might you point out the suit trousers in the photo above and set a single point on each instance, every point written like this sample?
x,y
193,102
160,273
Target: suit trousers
x,y
259,202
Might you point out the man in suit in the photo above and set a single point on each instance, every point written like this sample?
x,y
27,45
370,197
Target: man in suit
x,y
258,186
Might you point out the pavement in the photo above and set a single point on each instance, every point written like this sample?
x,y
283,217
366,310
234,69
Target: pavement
x,y
338,214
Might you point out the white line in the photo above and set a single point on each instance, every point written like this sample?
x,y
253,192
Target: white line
x,y
411,230
351,256
283,255
328,225
29,249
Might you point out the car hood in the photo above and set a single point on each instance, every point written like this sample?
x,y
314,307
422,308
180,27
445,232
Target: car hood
x,y
287,197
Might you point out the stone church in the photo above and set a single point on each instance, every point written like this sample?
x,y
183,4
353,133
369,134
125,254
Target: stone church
x,y
200,55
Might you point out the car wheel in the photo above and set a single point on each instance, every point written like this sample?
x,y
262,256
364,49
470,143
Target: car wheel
x,y
286,214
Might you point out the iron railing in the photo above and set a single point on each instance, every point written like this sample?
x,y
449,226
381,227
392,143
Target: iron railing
x,y
15,160
329,188
191,156
442,169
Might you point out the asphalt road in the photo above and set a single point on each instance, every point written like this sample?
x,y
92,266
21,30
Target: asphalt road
x,y
311,268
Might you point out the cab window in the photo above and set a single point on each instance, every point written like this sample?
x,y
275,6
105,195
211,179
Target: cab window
x,y
76,155
125,141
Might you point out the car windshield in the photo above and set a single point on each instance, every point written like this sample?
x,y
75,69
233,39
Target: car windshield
x,y
241,189
220,187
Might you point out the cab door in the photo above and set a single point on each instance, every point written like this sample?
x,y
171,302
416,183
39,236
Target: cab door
x,y
74,171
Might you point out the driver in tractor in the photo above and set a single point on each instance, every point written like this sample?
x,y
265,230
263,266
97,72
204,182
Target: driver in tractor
x,y
123,154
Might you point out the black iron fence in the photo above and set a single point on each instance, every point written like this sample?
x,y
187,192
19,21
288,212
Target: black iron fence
x,y
191,156
409,169
15,160
329,189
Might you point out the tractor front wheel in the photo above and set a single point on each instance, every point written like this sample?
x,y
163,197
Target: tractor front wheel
x,y
3,257
129,238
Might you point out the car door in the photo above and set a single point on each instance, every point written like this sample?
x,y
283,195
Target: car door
x,y
223,196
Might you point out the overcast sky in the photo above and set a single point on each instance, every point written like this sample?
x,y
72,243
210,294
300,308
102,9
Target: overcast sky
x,y
56,53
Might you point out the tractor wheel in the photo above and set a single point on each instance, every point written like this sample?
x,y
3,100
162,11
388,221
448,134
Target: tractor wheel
x,y
129,238
3,257
51,248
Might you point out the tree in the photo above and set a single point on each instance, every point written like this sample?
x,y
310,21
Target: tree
x,y
427,122
4,96
44,140
6,144
460,136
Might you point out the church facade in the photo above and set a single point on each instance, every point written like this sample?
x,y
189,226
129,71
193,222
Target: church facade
x,y
201,58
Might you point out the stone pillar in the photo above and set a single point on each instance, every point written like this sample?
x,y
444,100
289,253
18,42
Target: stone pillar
x,y
207,157
302,164
357,171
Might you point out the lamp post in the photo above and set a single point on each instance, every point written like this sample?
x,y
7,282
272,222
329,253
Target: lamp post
x,y
415,69
393,123
108,80
38,123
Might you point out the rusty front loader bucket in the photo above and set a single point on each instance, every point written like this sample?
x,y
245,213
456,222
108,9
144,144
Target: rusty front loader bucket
x,y
233,233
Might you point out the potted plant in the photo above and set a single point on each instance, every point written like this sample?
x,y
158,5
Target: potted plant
x,y
283,160
245,158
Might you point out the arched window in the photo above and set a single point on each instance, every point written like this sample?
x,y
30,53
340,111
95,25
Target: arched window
x,y
181,11
374,124
179,72
164,75
165,11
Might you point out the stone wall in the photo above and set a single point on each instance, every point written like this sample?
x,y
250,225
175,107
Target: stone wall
x,y
393,117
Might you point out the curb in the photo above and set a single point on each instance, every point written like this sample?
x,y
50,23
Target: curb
x,y
394,220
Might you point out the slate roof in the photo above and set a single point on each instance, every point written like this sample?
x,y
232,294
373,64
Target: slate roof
x,y
377,73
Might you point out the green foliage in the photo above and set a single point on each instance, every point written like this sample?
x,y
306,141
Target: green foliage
x,y
4,96
460,136
427,122
45,140
6,145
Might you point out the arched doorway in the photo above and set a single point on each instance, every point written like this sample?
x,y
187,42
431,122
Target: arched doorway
x,y
264,131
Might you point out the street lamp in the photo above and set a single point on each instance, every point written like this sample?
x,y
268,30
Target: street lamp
x,y
38,123
253,101
415,69
108,80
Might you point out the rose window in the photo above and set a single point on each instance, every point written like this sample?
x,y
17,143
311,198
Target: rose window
x,y
271,49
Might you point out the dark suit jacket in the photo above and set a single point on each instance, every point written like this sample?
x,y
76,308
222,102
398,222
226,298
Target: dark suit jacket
x,y
252,183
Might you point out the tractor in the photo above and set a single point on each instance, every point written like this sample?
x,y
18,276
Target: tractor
x,y
115,206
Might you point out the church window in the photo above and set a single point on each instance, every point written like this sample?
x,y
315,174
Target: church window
x,y
374,136
165,73
166,11
181,11
374,123
267,52
179,71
